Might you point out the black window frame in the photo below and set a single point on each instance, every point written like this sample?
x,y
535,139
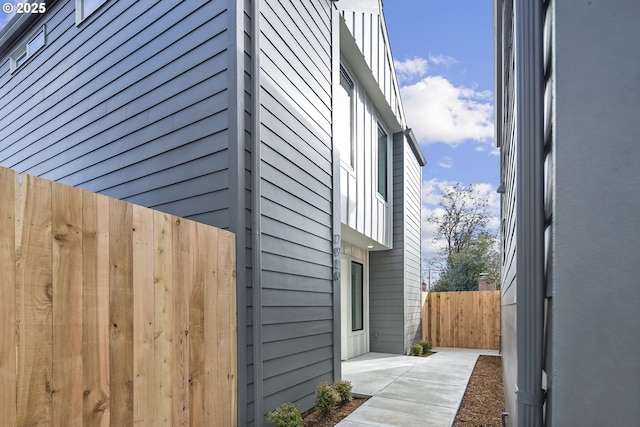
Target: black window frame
x,y
357,297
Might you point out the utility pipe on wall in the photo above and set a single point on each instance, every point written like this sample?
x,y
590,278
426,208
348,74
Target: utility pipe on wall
x,y
530,212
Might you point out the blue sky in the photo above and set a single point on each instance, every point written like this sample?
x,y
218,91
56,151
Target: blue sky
x,y
443,52
4,16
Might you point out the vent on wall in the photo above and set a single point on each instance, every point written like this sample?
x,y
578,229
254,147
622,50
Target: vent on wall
x,y
34,43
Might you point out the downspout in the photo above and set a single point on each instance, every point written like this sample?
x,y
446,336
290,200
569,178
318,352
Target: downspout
x,y
237,185
256,240
497,106
530,212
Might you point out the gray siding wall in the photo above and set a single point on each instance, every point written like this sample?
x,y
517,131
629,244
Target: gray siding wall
x,y
150,116
386,272
241,199
412,184
508,208
591,235
131,104
596,205
296,295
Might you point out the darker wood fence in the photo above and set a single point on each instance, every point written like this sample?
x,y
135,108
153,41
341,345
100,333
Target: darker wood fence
x,y
111,313
462,319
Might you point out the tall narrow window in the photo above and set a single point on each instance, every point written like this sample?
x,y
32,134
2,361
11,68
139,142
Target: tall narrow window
x,y
357,302
344,118
382,163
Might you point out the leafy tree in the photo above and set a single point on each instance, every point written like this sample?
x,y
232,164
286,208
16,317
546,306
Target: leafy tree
x,y
464,267
469,248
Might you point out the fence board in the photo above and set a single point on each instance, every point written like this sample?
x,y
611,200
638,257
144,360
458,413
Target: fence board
x,y
33,295
33,299
163,318
113,314
121,312
462,319
210,297
226,331
9,191
66,211
196,329
182,273
143,317
95,309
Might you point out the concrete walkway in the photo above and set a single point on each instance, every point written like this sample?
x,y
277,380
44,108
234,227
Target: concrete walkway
x,y
408,391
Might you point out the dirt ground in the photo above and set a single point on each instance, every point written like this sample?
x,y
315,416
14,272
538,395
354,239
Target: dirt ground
x,y
483,400
481,406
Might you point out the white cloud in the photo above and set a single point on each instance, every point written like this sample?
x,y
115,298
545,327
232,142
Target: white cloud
x,y
441,59
432,189
490,148
446,162
489,191
411,69
438,111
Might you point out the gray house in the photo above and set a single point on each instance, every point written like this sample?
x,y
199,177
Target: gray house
x,y
279,120
567,123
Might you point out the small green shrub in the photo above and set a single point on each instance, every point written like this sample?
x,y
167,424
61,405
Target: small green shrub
x,y
326,398
343,387
285,415
426,345
416,350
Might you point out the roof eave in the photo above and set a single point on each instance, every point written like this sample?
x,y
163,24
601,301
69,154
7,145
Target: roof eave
x,y
17,26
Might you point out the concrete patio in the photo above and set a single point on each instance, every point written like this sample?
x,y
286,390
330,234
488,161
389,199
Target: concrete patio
x,y
407,390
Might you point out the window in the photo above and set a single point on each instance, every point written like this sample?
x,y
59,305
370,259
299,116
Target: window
x,y
28,49
344,119
85,8
382,162
357,286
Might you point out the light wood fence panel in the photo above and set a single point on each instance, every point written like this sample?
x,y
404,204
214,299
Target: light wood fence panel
x,y
112,314
462,319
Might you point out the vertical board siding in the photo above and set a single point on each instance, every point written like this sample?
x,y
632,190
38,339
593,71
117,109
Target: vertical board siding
x,y
121,315
462,319
369,31
142,118
364,210
296,171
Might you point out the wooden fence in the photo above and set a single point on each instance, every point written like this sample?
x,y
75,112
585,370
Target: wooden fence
x,y
110,313
462,319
